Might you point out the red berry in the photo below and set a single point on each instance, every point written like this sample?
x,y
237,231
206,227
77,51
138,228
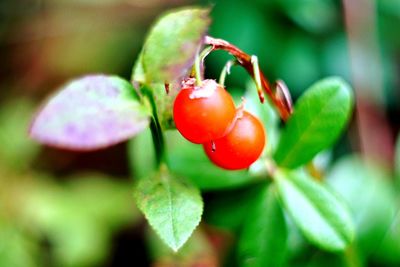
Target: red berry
x,y
241,146
203,113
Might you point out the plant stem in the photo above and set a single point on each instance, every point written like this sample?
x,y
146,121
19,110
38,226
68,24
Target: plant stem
x,y
281,100
158,141
197,70
226,70
257,77
156,129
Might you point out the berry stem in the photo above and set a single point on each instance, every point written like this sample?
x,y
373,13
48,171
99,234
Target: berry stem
x,y
226,71
204,54
257,78
281,100
197,70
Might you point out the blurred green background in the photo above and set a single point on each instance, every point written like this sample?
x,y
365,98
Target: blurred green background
x,y
62,208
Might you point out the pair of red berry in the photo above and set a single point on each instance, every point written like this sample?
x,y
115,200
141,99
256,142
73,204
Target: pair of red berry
x,y
232,138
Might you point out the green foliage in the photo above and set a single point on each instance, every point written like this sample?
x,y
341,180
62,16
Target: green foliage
x,y
204,175
370,195
260,35
389,249
299,53
197,251
17,248
397,160
319,117
141,155
181,154
17,150
138,74
77,218
264,235
171,46
80,217
220,213
172,207
164,103
312,15
321,258
321,216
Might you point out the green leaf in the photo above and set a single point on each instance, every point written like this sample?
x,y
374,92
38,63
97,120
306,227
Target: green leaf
x,y
138,74
19,248
90,113
389,249
321,216
220,212
319,117
88,209
141,154
172,44
322,258
264,235
372,210
172,207
190,161
17,150
312,15
397,160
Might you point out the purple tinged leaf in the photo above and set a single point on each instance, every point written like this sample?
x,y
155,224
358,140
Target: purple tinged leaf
x,y
171,45
90,113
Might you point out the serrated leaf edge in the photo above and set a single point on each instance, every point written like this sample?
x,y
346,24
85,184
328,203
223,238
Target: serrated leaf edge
x,y
175,246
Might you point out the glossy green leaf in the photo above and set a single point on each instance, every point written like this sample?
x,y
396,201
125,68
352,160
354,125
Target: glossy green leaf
x,y
321,216
319,117
190,161
296,243
172,44
367,189
264,235
172,207
90,113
